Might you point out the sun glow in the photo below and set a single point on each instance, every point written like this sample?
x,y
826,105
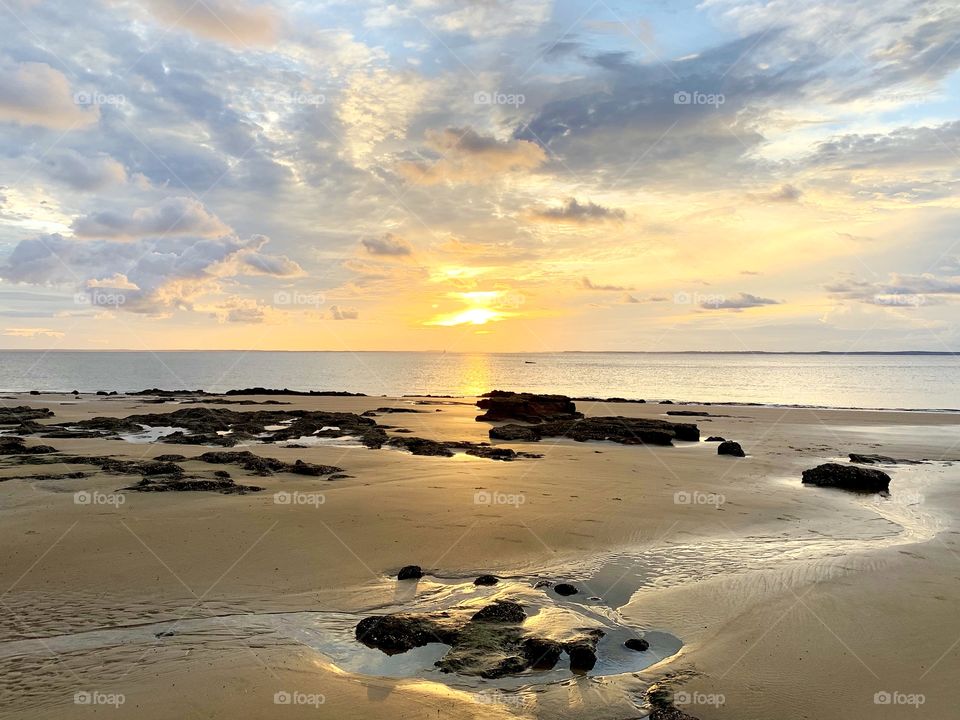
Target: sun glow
x,y
484,307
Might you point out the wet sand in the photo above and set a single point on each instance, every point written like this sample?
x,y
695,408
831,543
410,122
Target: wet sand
x,y
789,601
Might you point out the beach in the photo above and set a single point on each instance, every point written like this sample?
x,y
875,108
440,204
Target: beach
x,y
762,598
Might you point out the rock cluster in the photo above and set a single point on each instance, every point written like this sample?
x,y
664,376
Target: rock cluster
x,y
627,431
527,407
847,477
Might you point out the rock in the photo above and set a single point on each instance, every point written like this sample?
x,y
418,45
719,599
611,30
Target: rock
x,y
626,431
486,580
689,413
528,407
666,402
11,445
565,589
410,572
883,459
501,611
583,650
102,392
22,413
541,654
714,438
221,474
393,634
728,447
847,477
389,410
514,433
265,466
421,446
638,644
180,484
543,583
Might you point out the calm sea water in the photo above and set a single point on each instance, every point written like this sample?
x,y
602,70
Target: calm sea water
x,y
886,381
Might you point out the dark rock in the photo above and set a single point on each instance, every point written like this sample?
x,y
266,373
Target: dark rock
x,y
541,654
528,407
638,644
666,402
583,651
23,413
265,466
393,634
170,458
543,583
307,393
410,572
565,589
221,474
389,410
728,447
11,445
882,459
180,484
501,611
715,438
421,446
626,431
486,580
102,392
688,413
847,477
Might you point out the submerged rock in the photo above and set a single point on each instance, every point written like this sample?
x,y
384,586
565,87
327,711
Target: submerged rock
x,y
541,654
847,477
393,634
638,644
728,447
528,407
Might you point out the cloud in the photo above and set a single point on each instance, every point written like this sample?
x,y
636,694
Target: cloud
x,y
149,275
33,93
339,313
587,284
629,299
899,290
786,193
465,156
229,21
173,216
741,301
84,173
32,332
573,211
389,244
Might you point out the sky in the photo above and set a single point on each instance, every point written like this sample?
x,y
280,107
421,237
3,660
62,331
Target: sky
x,y
480,175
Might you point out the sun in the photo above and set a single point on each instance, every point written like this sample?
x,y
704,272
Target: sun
x,y
483,309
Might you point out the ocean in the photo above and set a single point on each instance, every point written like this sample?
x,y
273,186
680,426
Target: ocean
x,y
861,381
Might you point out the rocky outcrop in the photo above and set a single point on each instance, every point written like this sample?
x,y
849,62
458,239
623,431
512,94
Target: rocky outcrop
x,y
266,466
410,572
226,486
11,445
729,447
486,580
847,477
22,413
491,643
528,407
421,446
626,431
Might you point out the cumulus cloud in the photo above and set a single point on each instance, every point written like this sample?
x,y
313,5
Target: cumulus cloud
x,y
84,173
229,21
388,244
465,156
173,216
741,301
149,275
342,313
33,93
573,211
